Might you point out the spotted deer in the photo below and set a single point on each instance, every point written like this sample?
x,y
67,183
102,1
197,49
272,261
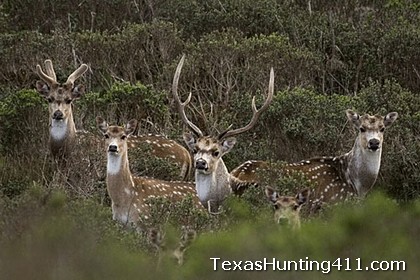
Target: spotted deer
x,y
63,131
60,97
337,178
129,194
212,179
287,208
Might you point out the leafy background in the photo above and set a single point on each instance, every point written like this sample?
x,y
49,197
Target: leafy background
x,y
328,56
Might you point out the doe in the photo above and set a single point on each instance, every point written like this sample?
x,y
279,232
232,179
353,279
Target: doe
x,y
129,194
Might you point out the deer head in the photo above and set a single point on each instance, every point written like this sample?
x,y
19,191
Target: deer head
x,y
371,128
157,240
116,136
59,96
287,208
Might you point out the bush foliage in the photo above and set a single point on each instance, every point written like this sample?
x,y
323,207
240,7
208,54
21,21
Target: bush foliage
x,y
328,56
53,236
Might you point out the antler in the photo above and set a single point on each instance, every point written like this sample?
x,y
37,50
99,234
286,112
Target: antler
x,y
181,105
50,77
77,73
256,113
50,69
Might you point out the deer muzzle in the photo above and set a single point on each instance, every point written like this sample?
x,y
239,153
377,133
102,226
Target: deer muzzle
x,y
113,148
58,115
374,144
201,164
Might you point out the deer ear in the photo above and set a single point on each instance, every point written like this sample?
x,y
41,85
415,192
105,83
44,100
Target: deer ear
x,y
42,88
390,118
228,144
189,140
131,127
102,124
78,91
303,196
271,194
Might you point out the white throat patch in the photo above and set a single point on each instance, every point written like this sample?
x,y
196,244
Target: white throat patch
x,y
203,184
372,161
59,129
114,163
365,168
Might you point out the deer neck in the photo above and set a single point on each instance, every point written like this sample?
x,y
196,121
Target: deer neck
x,y
362,167
120,186
62,133
214,186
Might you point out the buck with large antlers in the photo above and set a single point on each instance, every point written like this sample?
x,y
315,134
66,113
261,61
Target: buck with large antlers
x,y
335,178
212,179
63,130
129,194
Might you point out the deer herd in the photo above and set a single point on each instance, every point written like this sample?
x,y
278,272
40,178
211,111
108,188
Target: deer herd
x,y
332,178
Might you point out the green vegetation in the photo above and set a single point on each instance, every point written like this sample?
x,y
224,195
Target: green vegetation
x,y
328,56
51,237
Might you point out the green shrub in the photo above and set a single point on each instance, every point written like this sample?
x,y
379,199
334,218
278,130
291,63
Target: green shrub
x,y
21,120
301,124
89,15
121,103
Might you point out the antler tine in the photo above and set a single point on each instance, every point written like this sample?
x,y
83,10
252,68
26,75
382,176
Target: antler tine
x,y
256,113
50,69
181,105
46,78
77,73
222,134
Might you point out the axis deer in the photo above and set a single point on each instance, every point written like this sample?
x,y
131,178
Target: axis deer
x,y
212,179
157,240
287,207
63,130
335,178
60,98
129,194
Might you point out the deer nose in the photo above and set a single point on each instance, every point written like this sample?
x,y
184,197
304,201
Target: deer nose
x,y
373,144
201,164
113,148
58,115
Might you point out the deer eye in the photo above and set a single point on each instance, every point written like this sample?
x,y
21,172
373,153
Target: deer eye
x,y
123,137
382,129
295,207
106,136
216,153
362,129
194,151
68,101
50,100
